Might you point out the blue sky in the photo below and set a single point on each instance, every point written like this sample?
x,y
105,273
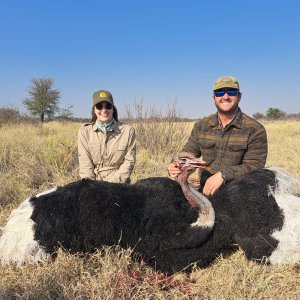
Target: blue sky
x,y
158,51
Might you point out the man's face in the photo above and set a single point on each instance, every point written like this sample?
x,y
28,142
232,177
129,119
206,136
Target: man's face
x,y
227,100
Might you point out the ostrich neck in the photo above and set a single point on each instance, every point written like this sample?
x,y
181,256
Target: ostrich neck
x,y
197,200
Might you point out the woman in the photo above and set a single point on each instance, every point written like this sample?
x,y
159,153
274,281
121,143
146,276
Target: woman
x,y
106,147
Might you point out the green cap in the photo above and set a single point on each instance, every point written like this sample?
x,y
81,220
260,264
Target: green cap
x,y
102,95
226,82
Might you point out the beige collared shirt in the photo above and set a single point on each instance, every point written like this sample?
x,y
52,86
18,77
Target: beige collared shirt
x,y
108,157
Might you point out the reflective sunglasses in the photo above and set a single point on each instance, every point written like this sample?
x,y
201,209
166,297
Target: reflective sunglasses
x,y
230,92
105,105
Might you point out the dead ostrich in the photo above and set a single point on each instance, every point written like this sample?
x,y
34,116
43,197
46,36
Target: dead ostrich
x,y
167,223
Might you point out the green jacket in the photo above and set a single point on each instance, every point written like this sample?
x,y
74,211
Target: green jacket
x,y
240,148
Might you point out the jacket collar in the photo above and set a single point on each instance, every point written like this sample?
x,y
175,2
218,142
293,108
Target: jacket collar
x,y
116,127
237,120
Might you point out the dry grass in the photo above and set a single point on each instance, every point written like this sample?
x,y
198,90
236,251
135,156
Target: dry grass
x,y
107,274
284,145
34,158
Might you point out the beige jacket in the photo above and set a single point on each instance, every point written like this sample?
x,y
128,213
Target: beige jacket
x,y
109,157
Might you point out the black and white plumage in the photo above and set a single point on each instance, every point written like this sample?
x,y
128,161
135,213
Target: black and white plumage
x,y
260,212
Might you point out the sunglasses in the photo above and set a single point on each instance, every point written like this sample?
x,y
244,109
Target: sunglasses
x,y
103,105
230,92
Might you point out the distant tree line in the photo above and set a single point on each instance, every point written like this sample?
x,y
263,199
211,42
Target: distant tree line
x,y
10,115
42,104
275,114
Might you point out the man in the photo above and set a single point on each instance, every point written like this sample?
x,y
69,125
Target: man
x,y
230,142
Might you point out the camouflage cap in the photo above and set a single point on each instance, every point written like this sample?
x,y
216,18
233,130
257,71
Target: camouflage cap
x,y
102,95
226,82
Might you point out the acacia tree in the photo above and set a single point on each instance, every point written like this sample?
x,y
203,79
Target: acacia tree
x,y
275,113
43,99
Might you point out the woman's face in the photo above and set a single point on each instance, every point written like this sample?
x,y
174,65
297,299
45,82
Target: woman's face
x,y
104,111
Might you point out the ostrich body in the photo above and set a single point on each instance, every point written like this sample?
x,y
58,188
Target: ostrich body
x,y
152,217
167,223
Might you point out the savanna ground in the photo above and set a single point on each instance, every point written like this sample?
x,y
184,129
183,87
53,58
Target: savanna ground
x,y
35,158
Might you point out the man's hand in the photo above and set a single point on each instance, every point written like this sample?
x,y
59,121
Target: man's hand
x,y
174,170
186,159
212,184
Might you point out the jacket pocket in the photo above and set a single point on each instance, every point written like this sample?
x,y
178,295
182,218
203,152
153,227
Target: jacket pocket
x,y
208,150
237,146
118,156
236,152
